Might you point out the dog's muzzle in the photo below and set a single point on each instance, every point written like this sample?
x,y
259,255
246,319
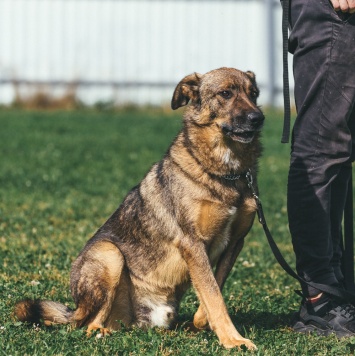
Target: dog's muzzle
x,y
244,132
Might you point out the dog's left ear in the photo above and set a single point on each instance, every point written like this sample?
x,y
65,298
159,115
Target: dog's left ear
x,y
251,75
186,90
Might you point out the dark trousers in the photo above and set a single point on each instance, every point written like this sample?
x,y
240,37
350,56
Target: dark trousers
x,y
323,44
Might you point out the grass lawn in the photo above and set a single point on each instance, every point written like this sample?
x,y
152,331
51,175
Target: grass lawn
x,y
61,176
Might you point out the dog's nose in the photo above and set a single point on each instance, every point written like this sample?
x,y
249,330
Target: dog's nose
x,y
256,117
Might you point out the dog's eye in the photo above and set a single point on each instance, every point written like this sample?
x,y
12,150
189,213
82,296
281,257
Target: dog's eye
x,y
226,94
254,94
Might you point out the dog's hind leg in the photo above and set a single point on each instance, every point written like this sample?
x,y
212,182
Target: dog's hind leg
x,y
97,276
122,308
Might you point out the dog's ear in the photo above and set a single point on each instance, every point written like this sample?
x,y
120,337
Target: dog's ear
x,y
251,75
186,90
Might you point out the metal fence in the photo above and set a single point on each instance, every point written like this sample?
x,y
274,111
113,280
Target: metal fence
x,y
134,50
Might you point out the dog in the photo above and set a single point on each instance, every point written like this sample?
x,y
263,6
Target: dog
x,y
189,215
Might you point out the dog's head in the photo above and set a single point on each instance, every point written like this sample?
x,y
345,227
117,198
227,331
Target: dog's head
x,y
224,97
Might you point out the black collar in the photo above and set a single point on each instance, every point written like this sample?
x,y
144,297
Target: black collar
x,y
232,176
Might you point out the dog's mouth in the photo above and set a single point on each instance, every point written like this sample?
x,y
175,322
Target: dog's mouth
x,y
244,137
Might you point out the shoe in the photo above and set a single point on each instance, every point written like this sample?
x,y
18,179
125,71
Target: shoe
x,y
325,316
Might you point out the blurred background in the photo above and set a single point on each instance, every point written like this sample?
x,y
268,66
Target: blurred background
x,y
117,52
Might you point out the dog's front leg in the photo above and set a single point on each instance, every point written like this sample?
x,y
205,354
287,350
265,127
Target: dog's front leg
x,y
194,253
240,228
223,268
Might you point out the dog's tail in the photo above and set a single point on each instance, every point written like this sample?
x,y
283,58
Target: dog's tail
x,y
35,311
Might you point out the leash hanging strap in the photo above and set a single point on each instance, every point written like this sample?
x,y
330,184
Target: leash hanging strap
x,y
286,85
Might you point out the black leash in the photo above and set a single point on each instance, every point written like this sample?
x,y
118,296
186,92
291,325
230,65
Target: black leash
x,y
286,84
336,292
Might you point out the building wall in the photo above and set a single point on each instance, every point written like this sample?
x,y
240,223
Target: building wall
x,y
134,50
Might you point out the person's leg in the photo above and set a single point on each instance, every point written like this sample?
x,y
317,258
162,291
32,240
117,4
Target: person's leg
x,y
338,197
324,62
337,203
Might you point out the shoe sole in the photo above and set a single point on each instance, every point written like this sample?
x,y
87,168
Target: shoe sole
x,y
300,327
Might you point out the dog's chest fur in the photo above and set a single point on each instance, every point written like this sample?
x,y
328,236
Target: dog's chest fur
x,y
220,241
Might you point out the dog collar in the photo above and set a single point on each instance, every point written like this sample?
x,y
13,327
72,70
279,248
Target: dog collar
x,y
232,176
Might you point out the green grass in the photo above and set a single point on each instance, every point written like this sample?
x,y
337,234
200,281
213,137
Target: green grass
x,y
63,173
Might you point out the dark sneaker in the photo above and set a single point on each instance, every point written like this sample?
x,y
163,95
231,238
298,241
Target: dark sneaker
x,y
324,317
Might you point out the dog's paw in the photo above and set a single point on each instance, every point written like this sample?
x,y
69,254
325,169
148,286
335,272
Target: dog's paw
x,y
200,319
229,343
103,331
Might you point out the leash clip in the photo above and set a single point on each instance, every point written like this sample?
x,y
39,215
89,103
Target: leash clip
x,y
259,207
250,182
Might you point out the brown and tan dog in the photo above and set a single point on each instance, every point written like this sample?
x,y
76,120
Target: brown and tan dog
x,y
190,214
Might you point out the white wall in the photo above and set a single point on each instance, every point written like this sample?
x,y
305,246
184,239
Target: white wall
x,y
145,41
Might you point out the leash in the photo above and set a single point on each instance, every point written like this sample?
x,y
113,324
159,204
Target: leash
x,y
336,292
286,83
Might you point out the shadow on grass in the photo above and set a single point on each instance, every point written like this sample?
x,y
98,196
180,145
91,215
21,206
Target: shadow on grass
x,y
262,320
255,320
